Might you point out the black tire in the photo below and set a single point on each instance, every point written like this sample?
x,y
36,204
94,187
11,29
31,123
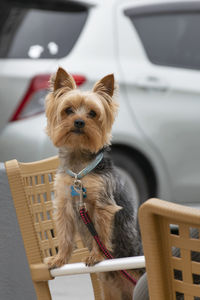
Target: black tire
x,y
132,168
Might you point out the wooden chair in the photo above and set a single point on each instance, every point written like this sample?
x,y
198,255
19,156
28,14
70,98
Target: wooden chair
x,y
32,189
172,257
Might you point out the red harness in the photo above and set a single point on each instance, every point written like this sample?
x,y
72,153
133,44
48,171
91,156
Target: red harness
x,y
88,222
78,190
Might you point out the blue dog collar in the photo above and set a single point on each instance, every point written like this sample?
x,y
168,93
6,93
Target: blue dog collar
x,y
87,169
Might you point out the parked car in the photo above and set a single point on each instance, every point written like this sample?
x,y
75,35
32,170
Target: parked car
x,y
152,47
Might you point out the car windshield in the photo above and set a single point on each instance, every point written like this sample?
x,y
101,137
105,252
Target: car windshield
x,y
40,32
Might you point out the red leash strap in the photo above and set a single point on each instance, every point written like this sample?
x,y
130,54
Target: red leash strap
x,y
88,222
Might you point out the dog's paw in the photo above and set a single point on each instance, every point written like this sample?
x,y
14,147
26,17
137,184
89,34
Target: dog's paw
x,y
93,259
55,261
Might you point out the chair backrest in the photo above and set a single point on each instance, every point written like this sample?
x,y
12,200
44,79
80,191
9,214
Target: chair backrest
x,y
32,189
172,257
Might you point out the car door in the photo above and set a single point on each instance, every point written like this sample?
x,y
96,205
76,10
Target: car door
x,y
159,55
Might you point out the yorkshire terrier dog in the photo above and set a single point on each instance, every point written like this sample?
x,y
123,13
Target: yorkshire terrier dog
x,y
79,124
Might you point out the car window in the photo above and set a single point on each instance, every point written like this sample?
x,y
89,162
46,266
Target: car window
x,y
28,32
171,39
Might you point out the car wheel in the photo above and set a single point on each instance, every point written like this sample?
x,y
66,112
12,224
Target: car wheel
x,y
132,174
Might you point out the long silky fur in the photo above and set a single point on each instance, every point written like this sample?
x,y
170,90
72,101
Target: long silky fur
x,y
111,208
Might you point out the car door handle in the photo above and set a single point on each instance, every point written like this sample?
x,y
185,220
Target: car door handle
x,y
151,83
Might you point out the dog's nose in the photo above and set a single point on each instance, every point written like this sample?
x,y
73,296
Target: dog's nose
x,y
79,123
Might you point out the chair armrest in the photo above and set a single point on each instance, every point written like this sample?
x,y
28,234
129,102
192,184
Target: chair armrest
x,y
40,272
136,262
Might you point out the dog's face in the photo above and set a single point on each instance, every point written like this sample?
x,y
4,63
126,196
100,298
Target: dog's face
x,y
80,120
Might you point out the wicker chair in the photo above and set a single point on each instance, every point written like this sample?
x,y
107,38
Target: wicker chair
x,y
172,257
32,189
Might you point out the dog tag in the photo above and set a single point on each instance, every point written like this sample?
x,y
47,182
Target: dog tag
x,y
76,192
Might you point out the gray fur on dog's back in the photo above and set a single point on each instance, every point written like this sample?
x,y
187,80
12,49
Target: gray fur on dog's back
x,y
126,238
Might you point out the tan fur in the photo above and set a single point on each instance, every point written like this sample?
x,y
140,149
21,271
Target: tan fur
x,y
75,150
66,224
60,126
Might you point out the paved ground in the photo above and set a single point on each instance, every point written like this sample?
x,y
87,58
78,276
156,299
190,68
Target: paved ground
x,y
77,287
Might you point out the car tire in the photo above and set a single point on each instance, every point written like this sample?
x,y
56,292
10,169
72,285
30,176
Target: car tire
x,y
133,174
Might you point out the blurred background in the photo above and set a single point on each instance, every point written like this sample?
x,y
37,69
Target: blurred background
x,y
153,49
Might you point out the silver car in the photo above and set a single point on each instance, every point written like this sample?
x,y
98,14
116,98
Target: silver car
x,y
152,47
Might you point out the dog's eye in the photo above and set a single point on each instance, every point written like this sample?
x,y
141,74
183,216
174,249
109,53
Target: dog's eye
x,y
92,114
69,111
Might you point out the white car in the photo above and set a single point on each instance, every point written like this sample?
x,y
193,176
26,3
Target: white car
x,y
153,49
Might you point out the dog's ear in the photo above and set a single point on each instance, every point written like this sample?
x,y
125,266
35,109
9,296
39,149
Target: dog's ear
x,y
105,85
62,79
